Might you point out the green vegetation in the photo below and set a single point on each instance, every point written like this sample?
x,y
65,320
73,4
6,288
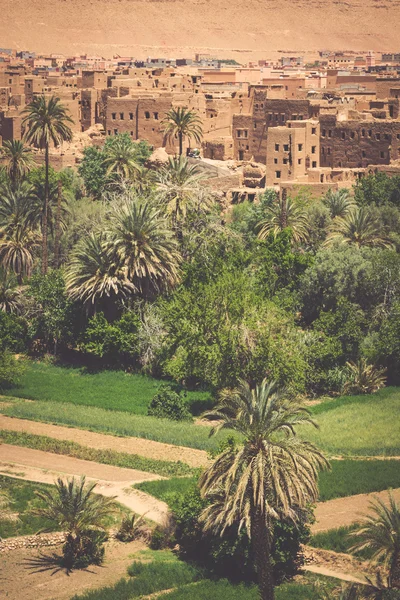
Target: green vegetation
x,y
22,499
112,390
347,478
106,457
339,540
358,425
116,423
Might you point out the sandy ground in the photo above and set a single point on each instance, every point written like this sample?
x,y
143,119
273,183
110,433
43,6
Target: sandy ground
x,y
100,441
345,511
22,578
44,467
241,30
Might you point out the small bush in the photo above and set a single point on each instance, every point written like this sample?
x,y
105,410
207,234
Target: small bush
x,y
10,370
167,404
131,528
87,549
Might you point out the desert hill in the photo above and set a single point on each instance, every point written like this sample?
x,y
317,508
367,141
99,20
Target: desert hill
x,y
240,29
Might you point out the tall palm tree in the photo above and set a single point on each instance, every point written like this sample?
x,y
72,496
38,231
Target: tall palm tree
x,y
15,203
285,212
339,202
273,474
177,189
357,227
10,294
380,532
145,245
17,159
120,159
48,123
180,123
76,509
17,248
95,274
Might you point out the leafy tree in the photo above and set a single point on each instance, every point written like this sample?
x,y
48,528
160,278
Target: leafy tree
x,y
50,311
168,404
357,227
387,344
48,123
380,532
13,333
114,343
273,475
378,188
78,511
182,123
92,169
17,159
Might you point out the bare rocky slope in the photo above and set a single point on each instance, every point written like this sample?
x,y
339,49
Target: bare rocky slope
x,y
240,29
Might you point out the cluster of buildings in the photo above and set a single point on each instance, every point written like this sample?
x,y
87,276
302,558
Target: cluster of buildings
x,y
319,121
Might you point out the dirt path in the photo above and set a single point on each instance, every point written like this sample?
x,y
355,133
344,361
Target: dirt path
x,y
44,467
101,441
345,511
335,564
20,580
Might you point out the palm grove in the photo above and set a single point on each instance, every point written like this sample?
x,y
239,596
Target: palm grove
x,y
135,265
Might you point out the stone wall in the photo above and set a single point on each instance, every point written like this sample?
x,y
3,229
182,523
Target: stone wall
x,y
31,541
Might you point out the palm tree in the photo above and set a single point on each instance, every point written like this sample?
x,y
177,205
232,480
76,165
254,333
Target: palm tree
x,y
48,123
17,248
380,532
95,274
10,294
145,245
286,212
18,159
272,475
121,158
77,510
178,186
364,378
15,203
338,202
358,227
180,123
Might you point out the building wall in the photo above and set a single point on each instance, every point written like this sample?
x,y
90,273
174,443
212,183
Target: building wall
x,y
357,144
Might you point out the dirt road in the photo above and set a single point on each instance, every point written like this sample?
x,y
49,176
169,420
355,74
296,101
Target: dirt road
x,y
101,441
44,467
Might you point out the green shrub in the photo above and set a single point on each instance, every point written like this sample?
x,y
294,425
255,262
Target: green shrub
x,y
13,333
10,370
113,343
87,550
167,404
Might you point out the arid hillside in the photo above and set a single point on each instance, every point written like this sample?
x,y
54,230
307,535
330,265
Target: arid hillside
x,y
230,28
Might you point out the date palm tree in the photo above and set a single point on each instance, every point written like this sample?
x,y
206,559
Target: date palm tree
x,y
178,185
380,532
339,202
145,245
363,378
95,274
17,247
120,159
10,294
17,159
272,475
48,122
77,510
285,212
15,203
357,227
182,123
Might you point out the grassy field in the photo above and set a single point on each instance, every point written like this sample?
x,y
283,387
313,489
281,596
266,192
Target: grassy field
x,y
347,478
22,500
359,425
166,572
106,457
339,540
113,390
117,423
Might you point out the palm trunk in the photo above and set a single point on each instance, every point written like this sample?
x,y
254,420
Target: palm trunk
x,y
45,214
395,571
284,209
261,542
58,226
180,143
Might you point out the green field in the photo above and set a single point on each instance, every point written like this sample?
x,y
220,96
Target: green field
x,y
359,425
116,423
113,390
339,540
22,500
347,478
